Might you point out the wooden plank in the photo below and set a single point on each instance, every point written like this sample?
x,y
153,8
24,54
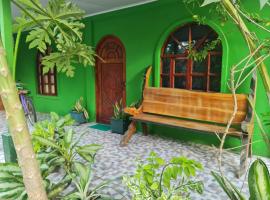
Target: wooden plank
x,y
188,124
211,107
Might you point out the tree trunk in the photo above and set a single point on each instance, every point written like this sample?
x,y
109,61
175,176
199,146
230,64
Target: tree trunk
x,y
251,43
19,131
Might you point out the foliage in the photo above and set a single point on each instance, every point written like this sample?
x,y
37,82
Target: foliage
x,y
118,110
200,55
63,144
82,182
80,108
216,9
57,152
48,128
58,25
11,182
258,182
158,180
263,3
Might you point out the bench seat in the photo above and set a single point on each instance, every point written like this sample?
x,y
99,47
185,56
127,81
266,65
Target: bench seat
x,y
187,124
196,110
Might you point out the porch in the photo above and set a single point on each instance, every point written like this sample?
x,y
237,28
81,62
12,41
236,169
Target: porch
x,y
113,161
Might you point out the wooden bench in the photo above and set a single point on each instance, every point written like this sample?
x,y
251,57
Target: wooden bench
x,y
201,111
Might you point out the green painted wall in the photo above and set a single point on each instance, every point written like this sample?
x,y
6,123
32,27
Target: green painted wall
x,y
143,30
69,89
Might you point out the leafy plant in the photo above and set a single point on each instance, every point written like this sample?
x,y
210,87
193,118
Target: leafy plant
x,y
79,108
11,182
57,24
62,144
118,110
258,182
49,128
82,182
159,180
57,152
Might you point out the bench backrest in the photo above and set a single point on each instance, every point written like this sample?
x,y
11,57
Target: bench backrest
x,y
210,107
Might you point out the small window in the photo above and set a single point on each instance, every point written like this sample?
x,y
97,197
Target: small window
x,y
47,83
179,70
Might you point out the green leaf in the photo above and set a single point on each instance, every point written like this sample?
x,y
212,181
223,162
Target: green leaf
x,y
57,24
10,167
59,187
207,2
259,181
263,3
232,192
84,172
68,138
154,186
46,142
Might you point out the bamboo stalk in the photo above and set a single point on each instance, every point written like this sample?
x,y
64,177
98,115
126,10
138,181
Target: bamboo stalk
x,y
232,11
19,131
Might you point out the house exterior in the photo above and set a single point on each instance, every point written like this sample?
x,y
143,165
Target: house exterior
x,y
131,39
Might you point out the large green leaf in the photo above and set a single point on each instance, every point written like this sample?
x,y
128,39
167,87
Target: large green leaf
x,y
57,188
11,182
259,181
83,171
88,152
58,24
10,167
46,142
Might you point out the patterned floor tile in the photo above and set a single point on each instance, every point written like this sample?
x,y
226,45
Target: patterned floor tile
x,y
113,161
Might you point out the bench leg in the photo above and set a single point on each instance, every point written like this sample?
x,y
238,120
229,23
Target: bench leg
x,y
128,134
144,128
244,154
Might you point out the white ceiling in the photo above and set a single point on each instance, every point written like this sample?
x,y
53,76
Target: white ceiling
x,y
95,7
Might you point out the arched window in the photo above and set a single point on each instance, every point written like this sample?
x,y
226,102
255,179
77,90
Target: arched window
x,y
180,66
47,84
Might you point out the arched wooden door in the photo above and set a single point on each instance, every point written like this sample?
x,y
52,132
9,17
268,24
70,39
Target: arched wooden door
x,y
110,77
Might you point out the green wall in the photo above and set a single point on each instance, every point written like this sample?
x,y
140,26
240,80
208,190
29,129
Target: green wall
x,y
69,89
143,30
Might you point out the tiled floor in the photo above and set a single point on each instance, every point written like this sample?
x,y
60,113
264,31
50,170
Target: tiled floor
x,y
113,161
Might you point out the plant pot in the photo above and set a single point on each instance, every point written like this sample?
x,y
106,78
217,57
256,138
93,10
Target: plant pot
x,y
119,126
78,117
9,149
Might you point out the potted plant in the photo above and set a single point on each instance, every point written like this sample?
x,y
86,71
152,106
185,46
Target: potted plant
x,y
79,112
120,120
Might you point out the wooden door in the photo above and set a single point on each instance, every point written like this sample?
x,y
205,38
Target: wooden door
x,y
110,77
